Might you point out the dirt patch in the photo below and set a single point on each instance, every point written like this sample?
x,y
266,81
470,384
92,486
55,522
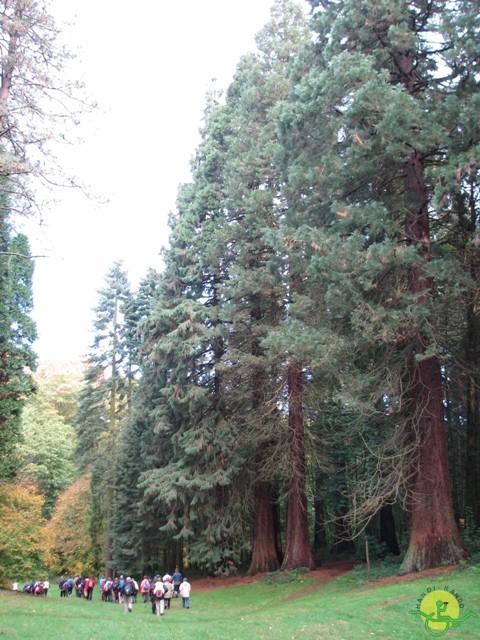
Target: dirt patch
x,y
323,574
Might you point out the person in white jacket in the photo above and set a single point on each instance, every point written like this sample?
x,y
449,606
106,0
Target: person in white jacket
x,y
158,596
184,590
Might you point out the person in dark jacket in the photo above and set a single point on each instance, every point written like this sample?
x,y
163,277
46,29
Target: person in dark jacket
x,y
128,593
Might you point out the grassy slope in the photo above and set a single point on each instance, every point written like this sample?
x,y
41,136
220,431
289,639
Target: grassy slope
x,y
342,609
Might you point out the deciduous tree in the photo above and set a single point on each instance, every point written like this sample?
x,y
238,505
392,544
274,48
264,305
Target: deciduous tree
x,y
66,536
21,553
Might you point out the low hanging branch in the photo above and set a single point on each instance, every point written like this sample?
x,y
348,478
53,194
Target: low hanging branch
x,y
20,255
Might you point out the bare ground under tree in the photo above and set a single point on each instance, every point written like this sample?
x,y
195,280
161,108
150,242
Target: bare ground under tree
x,y
322,575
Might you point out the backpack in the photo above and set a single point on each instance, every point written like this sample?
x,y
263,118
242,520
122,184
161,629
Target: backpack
x,y
159,592
128,589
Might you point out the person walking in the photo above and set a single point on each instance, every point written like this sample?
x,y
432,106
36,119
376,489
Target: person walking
x,y
128,594
145,589
168,585
159,596
184,590
177,581
88,587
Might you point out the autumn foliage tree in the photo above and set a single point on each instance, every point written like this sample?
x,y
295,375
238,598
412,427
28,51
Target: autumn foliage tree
x,y
66,536
21,551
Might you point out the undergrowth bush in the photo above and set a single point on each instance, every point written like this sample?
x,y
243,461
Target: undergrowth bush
x,y
385,568
285,576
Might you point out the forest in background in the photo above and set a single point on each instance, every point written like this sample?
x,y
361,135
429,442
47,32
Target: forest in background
x,y
303,375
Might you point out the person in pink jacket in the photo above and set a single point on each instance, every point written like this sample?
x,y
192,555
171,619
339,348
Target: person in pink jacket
x,y
184,590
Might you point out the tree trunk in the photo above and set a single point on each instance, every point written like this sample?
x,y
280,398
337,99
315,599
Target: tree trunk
x,y
297,549
108,555
434,536
264,552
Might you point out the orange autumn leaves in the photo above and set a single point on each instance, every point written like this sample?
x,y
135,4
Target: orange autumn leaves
x,y
30,547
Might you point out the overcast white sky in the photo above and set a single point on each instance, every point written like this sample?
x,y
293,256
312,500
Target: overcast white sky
x,y
148,64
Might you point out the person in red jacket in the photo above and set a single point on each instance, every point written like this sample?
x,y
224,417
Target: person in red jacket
x,y
88,588
145,589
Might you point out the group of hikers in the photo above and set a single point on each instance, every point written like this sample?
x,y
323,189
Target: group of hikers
x,y
83,587
35,587
158,590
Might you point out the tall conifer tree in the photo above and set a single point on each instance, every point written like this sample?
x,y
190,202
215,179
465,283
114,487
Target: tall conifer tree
x,y
17,333
457,197
367,170
194,475
104,404
136,547
256,292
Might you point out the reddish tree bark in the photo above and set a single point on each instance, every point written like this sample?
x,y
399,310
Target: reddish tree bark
x,y
264,551
297,547
434,536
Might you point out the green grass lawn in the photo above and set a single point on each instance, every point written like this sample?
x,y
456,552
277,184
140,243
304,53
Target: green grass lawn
x,y
343,609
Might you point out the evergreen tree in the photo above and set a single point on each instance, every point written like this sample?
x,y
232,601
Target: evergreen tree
x,y
457,202
369,183
132,537
256,291
17,333
104,404
195,471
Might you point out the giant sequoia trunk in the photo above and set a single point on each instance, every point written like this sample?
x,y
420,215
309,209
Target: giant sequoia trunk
x,y
264,551
297,547
434,537
264,548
